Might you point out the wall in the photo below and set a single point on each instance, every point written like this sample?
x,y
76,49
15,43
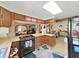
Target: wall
x,y
63,23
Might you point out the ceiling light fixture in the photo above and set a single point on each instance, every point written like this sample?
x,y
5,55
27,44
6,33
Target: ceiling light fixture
x,y
52,7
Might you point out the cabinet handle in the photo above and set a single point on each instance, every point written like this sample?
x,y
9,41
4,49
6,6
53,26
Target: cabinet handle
x,y
1,16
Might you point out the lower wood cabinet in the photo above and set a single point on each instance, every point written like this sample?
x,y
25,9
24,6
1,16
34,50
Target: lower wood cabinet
x,y
49,40
38,41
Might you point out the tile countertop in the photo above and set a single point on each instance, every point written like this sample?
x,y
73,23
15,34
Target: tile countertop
x,y
6,42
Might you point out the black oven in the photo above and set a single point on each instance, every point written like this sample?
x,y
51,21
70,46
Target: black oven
x,y
26,45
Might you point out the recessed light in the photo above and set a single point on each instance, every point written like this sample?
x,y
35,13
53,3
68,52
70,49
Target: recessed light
x,y
52,7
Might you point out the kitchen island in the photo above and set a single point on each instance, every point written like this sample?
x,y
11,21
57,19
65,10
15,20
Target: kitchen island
x,y
41,39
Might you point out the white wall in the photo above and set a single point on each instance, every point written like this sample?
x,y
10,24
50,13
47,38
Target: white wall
x,y
63,23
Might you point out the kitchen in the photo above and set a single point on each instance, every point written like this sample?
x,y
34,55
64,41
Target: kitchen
x,y
20,21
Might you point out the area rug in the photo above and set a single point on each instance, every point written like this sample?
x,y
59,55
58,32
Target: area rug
x,y
57,56
3,52
43,52
30,55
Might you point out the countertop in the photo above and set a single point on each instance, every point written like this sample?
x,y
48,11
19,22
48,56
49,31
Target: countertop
x,y
40,34
6,42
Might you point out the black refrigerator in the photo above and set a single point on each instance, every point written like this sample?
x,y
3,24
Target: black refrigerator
x,y
73,37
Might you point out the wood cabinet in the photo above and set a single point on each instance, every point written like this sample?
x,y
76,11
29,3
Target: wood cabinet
x,y
50,20
38,42
40,21
46,40
5,17
0,17
52,40
49,40
16,16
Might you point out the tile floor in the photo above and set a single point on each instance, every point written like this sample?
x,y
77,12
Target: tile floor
x,y
61,47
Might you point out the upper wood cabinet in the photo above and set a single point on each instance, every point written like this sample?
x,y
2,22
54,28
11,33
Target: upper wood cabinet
x,y
61,20
50,20
17,16
40,21
5,17
0,17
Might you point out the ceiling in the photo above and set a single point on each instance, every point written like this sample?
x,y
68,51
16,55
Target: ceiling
x,y
35,8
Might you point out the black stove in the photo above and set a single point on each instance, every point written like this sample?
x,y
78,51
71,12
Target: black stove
x,y
26,45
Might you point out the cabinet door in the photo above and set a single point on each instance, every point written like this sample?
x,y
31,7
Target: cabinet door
x,y
52,41
12,15
19,17
42,38
38,42
46,39
0,16
6,17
